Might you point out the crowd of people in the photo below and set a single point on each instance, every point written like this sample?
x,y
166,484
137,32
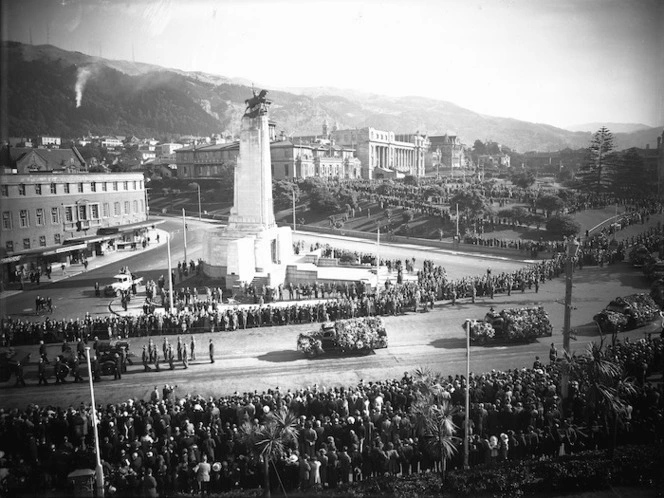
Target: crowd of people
x,y
186,443
205,311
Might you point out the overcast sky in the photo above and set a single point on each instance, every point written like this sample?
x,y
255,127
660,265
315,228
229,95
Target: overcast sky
x,y
562,62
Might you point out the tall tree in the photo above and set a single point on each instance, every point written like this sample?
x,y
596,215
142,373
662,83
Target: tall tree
x,y
595,173
630,176
523,180
470,202
549,203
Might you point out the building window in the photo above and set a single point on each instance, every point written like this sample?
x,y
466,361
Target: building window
x,y
106,210
40,217
115,186
55,216
21,189
126,185
104,186
5,190
25,222
38,190
135,206
69,214
93,186
83,212
54,188
9,245
134,184
26,243
56,238
80,188
94,211
66,188
126,207
42,240
140,184
116,209
6,220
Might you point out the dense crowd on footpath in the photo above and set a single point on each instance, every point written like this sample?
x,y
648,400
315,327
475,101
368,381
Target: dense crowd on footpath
x,y
197,313
186,443
205,312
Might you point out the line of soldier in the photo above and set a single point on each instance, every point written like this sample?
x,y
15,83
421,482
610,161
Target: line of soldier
x,y
150,354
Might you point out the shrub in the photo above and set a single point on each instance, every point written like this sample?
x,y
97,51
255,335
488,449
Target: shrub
x,y
562,226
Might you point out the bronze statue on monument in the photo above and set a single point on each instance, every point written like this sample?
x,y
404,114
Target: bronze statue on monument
x,y
257,105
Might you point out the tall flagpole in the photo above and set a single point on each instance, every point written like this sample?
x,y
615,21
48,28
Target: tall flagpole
x,y
457,221
466,435
99,470
170,274
294,226
378,260
184,235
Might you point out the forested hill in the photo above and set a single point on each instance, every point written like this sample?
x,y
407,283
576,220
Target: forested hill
x,y
126,98
41,100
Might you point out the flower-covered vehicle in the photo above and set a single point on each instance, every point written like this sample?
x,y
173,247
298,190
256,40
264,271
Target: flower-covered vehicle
x,y
627,313
511,325
355,335
639,255
653,269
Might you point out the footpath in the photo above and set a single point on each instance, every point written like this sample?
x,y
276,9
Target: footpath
x,y
73,270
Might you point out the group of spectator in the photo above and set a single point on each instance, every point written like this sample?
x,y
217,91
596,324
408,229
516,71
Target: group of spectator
x,y
169,443
205,312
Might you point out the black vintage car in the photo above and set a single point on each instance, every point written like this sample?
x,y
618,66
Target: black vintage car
x,y
106,351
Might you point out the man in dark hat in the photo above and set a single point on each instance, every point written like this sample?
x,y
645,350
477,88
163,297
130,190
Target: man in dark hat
x,y
117,371
42,371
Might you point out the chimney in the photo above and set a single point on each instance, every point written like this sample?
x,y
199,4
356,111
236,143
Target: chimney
x,y
647,146
659,142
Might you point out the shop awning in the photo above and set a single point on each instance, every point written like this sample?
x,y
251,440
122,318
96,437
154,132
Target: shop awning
x,y
88,239
10,259
137,226
66,248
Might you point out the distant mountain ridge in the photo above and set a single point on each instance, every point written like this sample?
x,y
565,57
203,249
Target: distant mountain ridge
x,y
128,98
614,127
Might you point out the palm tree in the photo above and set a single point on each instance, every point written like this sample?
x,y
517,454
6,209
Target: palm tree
x,y
270,440
606,388
432,412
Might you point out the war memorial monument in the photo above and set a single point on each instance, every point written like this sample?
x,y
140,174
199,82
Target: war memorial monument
x,y
251,245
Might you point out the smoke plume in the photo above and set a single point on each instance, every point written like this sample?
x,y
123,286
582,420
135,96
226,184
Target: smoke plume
x,y
82,76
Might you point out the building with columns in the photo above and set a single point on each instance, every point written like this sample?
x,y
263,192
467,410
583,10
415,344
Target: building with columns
x,y
383,152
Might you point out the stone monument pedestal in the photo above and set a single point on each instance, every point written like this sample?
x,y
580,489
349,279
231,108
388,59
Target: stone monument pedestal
x,y
239,256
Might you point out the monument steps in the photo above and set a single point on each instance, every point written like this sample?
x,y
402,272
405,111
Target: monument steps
x,y
260,280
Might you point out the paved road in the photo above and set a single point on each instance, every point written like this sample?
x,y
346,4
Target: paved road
x,y
267,357
74,296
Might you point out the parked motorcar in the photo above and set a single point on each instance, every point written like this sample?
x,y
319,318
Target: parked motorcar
x,y
123,282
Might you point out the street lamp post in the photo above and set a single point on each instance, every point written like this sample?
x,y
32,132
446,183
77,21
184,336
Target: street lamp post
x,y
184,234
466,442
99,470
170,274
294,225
198,187
572,250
